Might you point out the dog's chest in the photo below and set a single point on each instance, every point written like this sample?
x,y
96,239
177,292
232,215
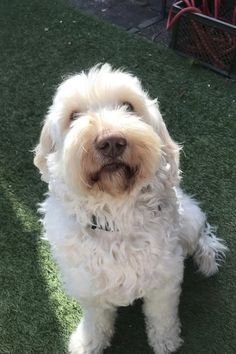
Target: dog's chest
x,y
121,266
120,270
118,265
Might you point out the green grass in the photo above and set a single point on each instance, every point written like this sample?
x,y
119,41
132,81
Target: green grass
x,y
199,107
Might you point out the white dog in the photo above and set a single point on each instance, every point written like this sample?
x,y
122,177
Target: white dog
x,y
118,223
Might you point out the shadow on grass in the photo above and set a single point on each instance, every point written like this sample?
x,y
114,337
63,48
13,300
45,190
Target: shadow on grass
x,y
28,322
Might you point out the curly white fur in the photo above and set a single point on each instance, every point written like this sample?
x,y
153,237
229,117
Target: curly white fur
x,y
152,225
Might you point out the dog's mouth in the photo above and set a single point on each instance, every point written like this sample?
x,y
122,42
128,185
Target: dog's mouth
x,y
113,168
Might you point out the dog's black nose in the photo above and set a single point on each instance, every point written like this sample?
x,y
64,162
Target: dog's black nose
x,y
111,146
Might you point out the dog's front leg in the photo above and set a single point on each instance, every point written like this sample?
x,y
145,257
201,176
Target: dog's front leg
x,y
162,322
94,331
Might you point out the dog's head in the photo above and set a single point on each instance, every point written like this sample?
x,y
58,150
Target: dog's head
x,y
103,134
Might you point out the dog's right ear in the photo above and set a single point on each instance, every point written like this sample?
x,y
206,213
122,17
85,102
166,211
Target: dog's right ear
x,y
45,146
59,116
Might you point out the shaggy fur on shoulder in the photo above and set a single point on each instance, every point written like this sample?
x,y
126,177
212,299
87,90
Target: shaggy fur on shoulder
x,y
118,223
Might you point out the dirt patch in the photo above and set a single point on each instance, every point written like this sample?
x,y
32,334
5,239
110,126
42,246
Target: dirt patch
x,y
144,20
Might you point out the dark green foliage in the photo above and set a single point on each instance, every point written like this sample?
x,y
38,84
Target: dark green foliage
x,y
40,41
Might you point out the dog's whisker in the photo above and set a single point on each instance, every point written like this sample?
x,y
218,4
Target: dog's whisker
x,y
83,148
84,182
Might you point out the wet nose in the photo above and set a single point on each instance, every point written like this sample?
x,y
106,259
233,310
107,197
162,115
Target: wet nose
x,y
112,146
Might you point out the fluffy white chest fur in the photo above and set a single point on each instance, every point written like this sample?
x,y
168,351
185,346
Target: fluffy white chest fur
x,y
125,252
115,216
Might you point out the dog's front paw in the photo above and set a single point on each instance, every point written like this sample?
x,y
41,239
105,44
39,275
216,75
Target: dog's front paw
x,y
83,341
164,342
167,345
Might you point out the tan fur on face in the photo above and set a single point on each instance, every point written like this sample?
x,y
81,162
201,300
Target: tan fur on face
x,y
84,165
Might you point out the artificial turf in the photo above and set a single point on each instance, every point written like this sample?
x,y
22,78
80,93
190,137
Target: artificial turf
x,y
40,41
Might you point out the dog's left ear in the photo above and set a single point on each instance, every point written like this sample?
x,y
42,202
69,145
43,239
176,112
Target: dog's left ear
x,y
170,149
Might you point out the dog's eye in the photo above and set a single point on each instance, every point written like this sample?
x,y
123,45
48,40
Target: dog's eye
x,y
129,107
75,115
